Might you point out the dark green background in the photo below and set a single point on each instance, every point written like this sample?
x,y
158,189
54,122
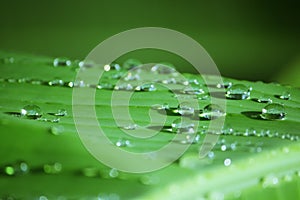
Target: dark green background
x,y
254,40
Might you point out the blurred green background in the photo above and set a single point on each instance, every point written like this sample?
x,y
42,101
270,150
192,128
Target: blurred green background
x,y
254,40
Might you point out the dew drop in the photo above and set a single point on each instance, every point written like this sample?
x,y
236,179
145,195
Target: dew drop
x,y
54,168
146,87
162,68
31,111
182,127
113,173
43,197
56,82
61,112
185,109
17,168
90,172
164,106
190,139
61,62
212,111
264,99
123,86
86,64
225,84
238,92
192,90
57,130
227,162
285,95
130,127
105,85
273,111
202,96
131,63
123,143
211,155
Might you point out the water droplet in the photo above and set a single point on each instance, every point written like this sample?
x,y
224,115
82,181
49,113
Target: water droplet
x,y
225,84
192,90
164,106
211,155
273,111
17,168
86,64
202,96
269,181
57,130
61,112
43,197
123,143
31,111
113,173
61,62
90,172
264,99
185,109
190,139
124,86
146,87
212,111
131,63
238,92
285,95
105,85
56,82
162,68
223,147
227,162
149,179
130,127
182,127
53,168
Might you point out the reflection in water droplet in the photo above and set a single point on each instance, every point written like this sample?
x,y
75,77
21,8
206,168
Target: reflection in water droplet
x,y
238,92
182,127
131,63
90,172
61,62
146,87
273,111
223,147
227,162
149,179
31,111
212,111
131,76
53,168
123,143
57,130
185,109
211,155
285,95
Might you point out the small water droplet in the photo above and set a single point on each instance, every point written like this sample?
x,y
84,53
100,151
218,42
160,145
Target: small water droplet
x,y
227,162
123,143
86,64
57,130
269,181
123,86
285,95
130,127
273,111
149,179
31,111
211,155
225,84
17,168
61,112
113,173
61,62
223,147
202,96
105,85
164,106
190,139
163,68
53,168
212,111
90,172
192,90
264,99
185,109
146,87
56,82
238,92
182,127
131,63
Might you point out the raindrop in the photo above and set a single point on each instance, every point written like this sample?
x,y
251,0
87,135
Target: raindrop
x,y
192,90
185,109
61,112
225,84
105,85
203,96
211,155
285,95
123,143
182,127
146,87
56,82
131,76
273,111
31,111
113,173
223,147
57,130
131,63
53,168
190,139
124,86
227,162
212,111
164,106
61,62
264,99
130,127
238,92
162,68
86,64
17,168
90,172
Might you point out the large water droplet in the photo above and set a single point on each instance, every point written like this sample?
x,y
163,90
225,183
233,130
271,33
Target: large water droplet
x,y
285,95
131,63
61,62
146,87
185,109
238,92
264,99
53,168
31,111
212,111
182,127
273,111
